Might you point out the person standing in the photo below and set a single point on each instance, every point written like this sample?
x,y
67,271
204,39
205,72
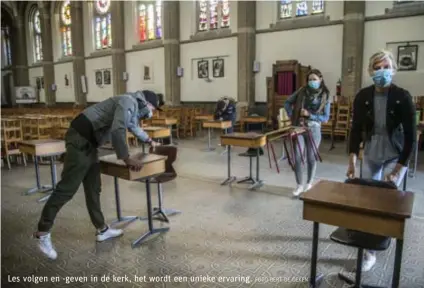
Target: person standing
x,y
108,119
309,106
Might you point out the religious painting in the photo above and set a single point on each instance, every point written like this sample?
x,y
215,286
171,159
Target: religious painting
x,y
42,82
407,58
67,84
106,77
147,72
38,83
218,68
203,69
99,77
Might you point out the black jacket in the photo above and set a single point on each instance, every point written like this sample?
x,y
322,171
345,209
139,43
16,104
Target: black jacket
x,y
400,121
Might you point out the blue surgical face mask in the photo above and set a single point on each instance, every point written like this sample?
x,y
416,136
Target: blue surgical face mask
x,y
383,77
314,84
145,113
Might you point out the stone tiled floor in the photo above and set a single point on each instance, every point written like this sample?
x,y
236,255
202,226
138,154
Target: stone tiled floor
x,y
223,231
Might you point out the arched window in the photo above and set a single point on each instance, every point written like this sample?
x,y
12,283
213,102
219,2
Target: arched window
x,y
301,8
213,14
103,24
35,23
5,41
65,28
150,20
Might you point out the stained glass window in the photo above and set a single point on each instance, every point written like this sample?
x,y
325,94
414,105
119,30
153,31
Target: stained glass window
x,y
317,6
5,37
103,25
213,14
150,20
301,8
36,28
66,28
285,9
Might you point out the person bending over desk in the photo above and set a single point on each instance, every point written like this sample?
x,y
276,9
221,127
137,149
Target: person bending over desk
x,y
226,110
88,131
384,120
309,106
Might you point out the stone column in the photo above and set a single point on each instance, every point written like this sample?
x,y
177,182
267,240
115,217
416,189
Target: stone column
x,y
246,42
353,47
77,32
118,47
19,53
48,68
171,36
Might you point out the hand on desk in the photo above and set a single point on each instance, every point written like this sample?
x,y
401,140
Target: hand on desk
x,y
154,144
304,113
351,168
395,174
133,164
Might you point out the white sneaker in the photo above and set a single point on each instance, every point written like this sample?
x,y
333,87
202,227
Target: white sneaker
x,y
307,187
298,190
368,261
108,234
45,245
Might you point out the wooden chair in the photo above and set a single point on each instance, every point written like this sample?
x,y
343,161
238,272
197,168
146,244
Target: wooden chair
x,y
11,135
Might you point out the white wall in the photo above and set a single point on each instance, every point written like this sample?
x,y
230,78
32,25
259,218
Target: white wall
x,y
267,12
376,8
188,18
198,90
33,74
319,47
87,14
155,59
98,93
64,93
379,33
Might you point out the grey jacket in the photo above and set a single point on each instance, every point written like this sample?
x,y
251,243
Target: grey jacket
x,y
111,119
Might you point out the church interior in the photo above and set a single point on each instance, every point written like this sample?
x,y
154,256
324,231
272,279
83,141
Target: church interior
x,y
237,222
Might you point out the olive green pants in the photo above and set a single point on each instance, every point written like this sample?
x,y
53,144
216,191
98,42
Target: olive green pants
x,y
81,166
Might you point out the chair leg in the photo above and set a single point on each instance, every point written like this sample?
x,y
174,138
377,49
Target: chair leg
x,y
8,162
24,159
162,211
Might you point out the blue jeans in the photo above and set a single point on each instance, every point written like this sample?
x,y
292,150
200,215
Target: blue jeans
x,y
378,170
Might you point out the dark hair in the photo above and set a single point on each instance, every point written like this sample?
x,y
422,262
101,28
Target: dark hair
x,y
319,74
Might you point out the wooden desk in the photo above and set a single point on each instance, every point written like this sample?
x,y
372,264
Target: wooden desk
x,y
157,132
208,117
168,122
367,209
252,120
247,140
43,148
215,124
153,165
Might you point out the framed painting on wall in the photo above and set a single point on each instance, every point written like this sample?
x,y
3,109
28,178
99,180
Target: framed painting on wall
x,y
147,72
407,58
106,77
99,77
218,68
202,69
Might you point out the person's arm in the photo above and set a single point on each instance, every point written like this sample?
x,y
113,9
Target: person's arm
x,y
409,128
138,132
118,131
324,117
355,137
289,103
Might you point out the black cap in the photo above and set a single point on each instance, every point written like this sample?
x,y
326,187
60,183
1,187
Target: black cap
x,y
153,99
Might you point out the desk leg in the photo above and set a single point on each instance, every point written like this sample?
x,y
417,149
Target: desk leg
x,y
39,187
258,183
54,180
398,263
250,178
226,147
210,148
315,279
230,179
150,219
283,155
171,138
119,217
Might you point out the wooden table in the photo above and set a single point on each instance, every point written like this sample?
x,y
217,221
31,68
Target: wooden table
x,y
247,140
168,122
215,124
208,117
252,120
154,165
158,133
372,210
43,148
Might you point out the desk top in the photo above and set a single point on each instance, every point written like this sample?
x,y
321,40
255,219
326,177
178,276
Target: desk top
x,y
154,128
249,135
136,154
385,202
40,142
253,119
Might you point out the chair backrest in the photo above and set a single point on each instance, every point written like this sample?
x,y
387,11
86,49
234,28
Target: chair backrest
x,y
372,183
168,151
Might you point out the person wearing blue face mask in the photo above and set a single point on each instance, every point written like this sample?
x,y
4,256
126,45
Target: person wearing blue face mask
x,y
384,122
308,106
109,119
